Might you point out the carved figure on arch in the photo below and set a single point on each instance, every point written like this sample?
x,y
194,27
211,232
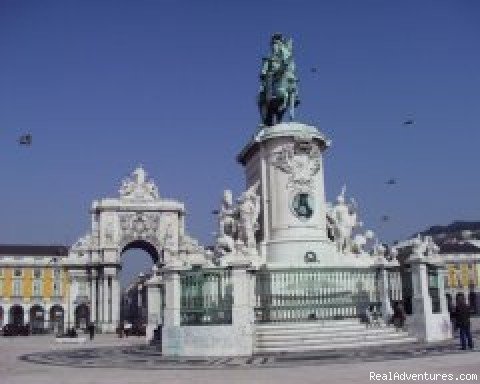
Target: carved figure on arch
x,y
136,186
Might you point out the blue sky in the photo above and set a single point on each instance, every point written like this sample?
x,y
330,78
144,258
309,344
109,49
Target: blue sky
x,y
106,85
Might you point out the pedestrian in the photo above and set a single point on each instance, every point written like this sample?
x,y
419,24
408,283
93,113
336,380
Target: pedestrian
x,y
372,317
91,330
398,317
128,328
462,318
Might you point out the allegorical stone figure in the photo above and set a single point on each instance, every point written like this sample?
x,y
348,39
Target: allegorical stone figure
x,y
226,223
249,210
345,220
278,89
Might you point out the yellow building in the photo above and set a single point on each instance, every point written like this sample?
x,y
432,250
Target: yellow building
x,y
33,286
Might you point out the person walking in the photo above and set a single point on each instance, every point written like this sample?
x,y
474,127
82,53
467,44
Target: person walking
x,y
462,318
398,317
91,330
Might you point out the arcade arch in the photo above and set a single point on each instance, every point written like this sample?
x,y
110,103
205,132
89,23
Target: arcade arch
x,y
16,315
57,318
37,318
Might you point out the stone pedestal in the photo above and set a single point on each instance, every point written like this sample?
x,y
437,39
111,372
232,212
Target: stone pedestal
x,y
286,160
425,324
235,339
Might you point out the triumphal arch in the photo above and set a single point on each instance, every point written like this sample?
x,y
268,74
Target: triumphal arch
x,y
137,218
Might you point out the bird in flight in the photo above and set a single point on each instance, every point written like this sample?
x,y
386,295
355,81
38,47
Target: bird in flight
x,y
409,122
385,218
391,182
25,140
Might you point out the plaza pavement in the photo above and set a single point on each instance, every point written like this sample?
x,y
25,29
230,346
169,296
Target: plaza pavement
x,y
14,369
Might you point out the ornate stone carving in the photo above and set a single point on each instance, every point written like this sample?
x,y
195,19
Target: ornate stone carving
x,y
238,224
83,243
424,247
139,226
249,210
137,187
342,220
301,161
227,223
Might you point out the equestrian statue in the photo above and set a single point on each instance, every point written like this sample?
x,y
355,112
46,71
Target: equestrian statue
x,y
278,90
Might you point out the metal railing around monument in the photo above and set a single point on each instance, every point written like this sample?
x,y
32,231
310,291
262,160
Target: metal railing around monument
x,y
206,297
315,294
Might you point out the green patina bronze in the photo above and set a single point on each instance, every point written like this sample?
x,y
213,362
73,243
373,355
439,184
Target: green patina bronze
x,y
278,90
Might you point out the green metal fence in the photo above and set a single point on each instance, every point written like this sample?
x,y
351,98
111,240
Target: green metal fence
x,y
206,297
395,285
314,294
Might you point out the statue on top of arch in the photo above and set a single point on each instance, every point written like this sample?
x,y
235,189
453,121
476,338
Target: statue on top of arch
x,y
137,187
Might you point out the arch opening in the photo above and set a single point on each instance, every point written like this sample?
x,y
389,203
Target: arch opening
x,y
37,319
82,316
138,257
16,315
57,315
144,246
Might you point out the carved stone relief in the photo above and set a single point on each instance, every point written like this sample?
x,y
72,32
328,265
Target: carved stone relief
x,y
301,161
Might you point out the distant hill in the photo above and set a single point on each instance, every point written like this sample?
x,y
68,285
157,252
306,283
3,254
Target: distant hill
x,y
456,228
457,237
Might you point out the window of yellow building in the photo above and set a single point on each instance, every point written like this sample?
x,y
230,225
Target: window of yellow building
x,y
37,273
17,288
57,288
17,272
37,288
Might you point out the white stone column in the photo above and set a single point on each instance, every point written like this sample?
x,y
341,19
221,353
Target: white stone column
x,y
93,296
106,304
115,301
26,314
72,292
101,318
422,302
442,272
46,316
384,291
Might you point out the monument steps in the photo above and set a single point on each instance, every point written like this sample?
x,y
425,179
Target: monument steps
x,y
325,334
296,337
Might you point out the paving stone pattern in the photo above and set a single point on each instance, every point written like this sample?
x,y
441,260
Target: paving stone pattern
x,y
142,357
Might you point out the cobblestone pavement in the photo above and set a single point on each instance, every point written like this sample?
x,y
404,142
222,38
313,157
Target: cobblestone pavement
x,y
39,360
144,357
